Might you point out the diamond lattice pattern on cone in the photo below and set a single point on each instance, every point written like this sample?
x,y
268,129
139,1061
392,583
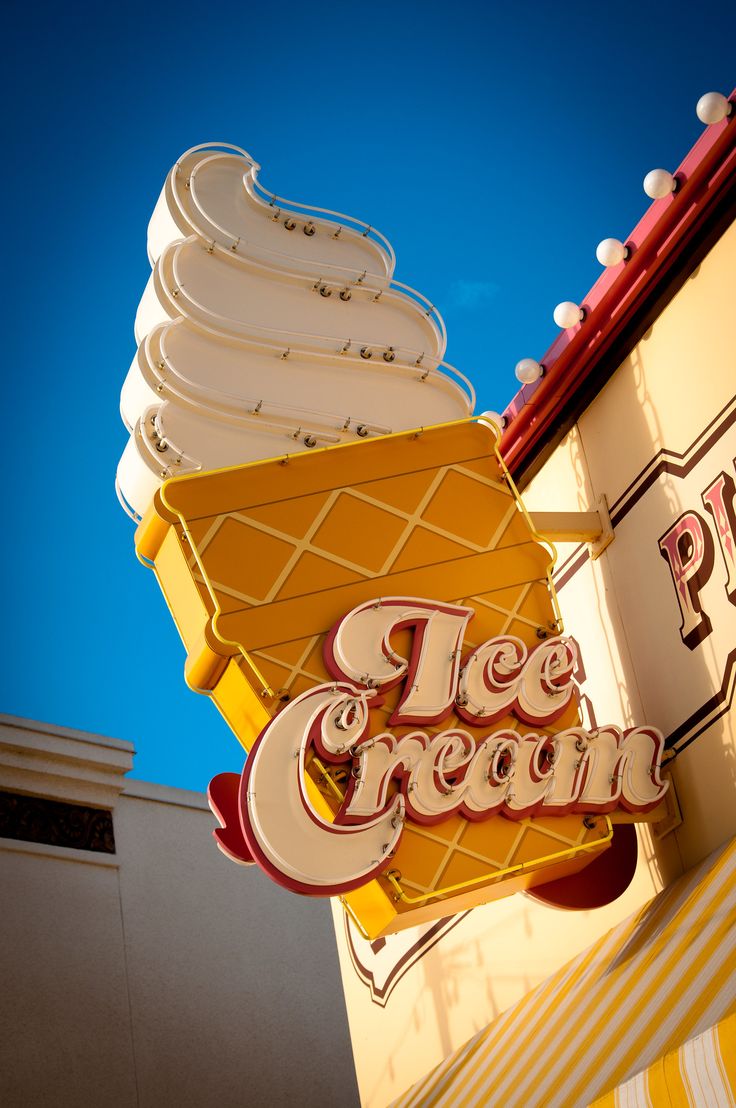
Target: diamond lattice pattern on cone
x,y
260,561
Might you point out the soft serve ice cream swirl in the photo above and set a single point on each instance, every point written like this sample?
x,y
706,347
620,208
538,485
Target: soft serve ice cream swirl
x,y
267,328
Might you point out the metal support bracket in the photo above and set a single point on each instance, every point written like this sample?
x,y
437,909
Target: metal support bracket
x,y
591,527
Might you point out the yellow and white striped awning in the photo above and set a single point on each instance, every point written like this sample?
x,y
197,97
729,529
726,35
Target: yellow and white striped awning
x,y
645,997
702,1073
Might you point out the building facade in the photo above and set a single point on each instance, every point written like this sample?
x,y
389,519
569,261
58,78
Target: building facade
x,y
633,417
141,962
135,970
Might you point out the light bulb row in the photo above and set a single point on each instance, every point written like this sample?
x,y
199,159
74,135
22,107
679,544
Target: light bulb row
x,y
712,108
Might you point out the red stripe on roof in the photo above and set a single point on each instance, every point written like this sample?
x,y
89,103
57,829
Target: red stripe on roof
x,y
655,245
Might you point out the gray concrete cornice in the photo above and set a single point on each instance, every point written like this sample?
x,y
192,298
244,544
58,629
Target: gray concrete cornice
x,y
61,763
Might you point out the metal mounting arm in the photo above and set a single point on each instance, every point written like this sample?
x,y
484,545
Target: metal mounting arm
x,y
591,527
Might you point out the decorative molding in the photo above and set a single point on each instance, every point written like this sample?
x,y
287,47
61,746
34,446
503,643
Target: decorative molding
x,y
671,462
674,463
59,853
679,465
717,706
382,984
62,764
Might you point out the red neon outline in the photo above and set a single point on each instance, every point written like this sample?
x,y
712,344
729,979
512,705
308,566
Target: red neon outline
x,y
265,863
246,845
419,625
345,822
514,708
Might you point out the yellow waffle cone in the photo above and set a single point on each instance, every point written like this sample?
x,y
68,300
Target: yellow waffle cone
x,y
259,562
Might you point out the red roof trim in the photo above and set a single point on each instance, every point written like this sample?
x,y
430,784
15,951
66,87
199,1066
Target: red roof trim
x,y
655,246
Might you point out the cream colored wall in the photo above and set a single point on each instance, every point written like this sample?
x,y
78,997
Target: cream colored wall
x,y
621,611
65,1035
666,396
486,962
163,974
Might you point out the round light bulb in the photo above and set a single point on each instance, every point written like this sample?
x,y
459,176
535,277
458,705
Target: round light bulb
x,y
528,371
658,183
712,107
567,314
494,417
610,252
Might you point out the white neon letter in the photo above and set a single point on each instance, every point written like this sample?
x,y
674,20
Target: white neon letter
x,y
359,650
288,838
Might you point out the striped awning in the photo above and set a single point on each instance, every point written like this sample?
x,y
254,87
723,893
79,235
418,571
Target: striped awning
x,y
701,1073
656,985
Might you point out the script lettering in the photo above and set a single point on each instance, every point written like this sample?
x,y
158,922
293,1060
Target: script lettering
x,y
359,650
420,776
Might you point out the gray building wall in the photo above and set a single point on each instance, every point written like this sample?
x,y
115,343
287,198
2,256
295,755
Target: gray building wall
x,y
162,974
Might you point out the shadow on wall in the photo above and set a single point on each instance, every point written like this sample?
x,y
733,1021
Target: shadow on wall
x,y
444,1013
662,585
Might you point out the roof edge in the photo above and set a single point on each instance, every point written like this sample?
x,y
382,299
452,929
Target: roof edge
x,y
659,246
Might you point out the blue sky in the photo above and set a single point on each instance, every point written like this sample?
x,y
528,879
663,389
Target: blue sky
x,y
494,144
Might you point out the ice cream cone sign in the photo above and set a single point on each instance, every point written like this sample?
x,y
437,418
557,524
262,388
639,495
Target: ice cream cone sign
x,y
375,619
376,622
